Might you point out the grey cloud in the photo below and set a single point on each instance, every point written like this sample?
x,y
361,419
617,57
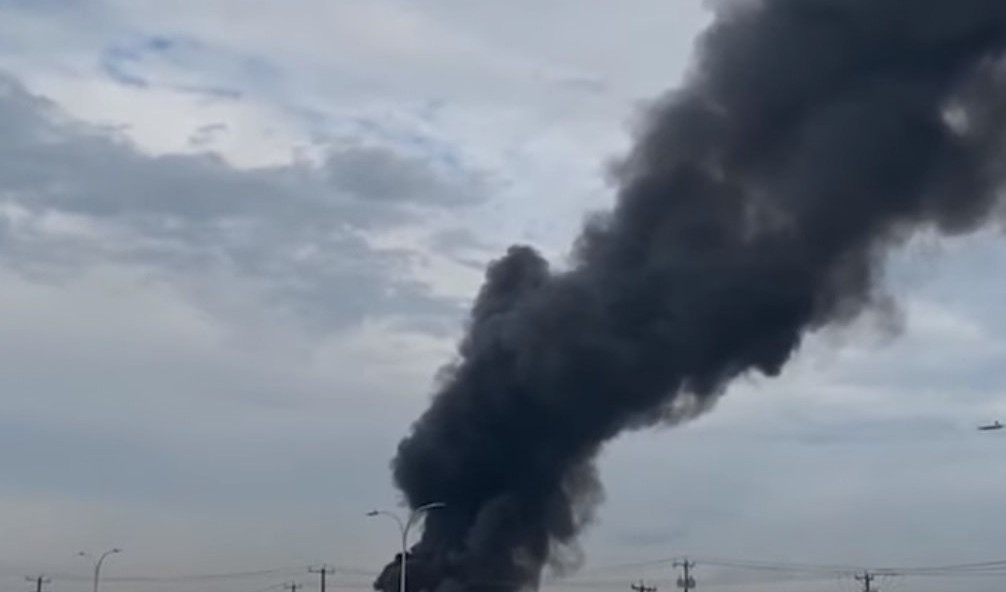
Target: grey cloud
x,y
215,92
380,175
151,414
464,247
299,229
51,164
206,134
585,84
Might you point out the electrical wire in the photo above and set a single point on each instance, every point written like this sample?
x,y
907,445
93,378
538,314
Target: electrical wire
x,y
769,572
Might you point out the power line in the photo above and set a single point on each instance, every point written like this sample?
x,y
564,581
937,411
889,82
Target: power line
x,y
813,568
626,566
983,567
788,572
776,571
200,577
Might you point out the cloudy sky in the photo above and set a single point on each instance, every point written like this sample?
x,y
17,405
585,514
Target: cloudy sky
x,y
238,239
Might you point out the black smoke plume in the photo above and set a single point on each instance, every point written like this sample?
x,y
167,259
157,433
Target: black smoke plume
x,y
758,204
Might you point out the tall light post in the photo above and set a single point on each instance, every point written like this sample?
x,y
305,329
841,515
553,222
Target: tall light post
x,y
403,527
97,564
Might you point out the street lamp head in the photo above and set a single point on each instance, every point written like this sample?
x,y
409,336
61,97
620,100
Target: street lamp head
x,y
116,550
373,513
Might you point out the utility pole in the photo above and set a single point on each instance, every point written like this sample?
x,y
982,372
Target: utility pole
x,y
686,582
292,586
323,571
39,581
641,587
867,578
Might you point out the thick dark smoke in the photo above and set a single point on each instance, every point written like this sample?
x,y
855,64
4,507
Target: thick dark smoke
x,y
757,206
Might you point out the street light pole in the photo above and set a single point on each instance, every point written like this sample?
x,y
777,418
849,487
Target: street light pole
x,y
403,528
97,564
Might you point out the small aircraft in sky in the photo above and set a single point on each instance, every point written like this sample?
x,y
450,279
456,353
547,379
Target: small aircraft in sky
x,y
991,427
